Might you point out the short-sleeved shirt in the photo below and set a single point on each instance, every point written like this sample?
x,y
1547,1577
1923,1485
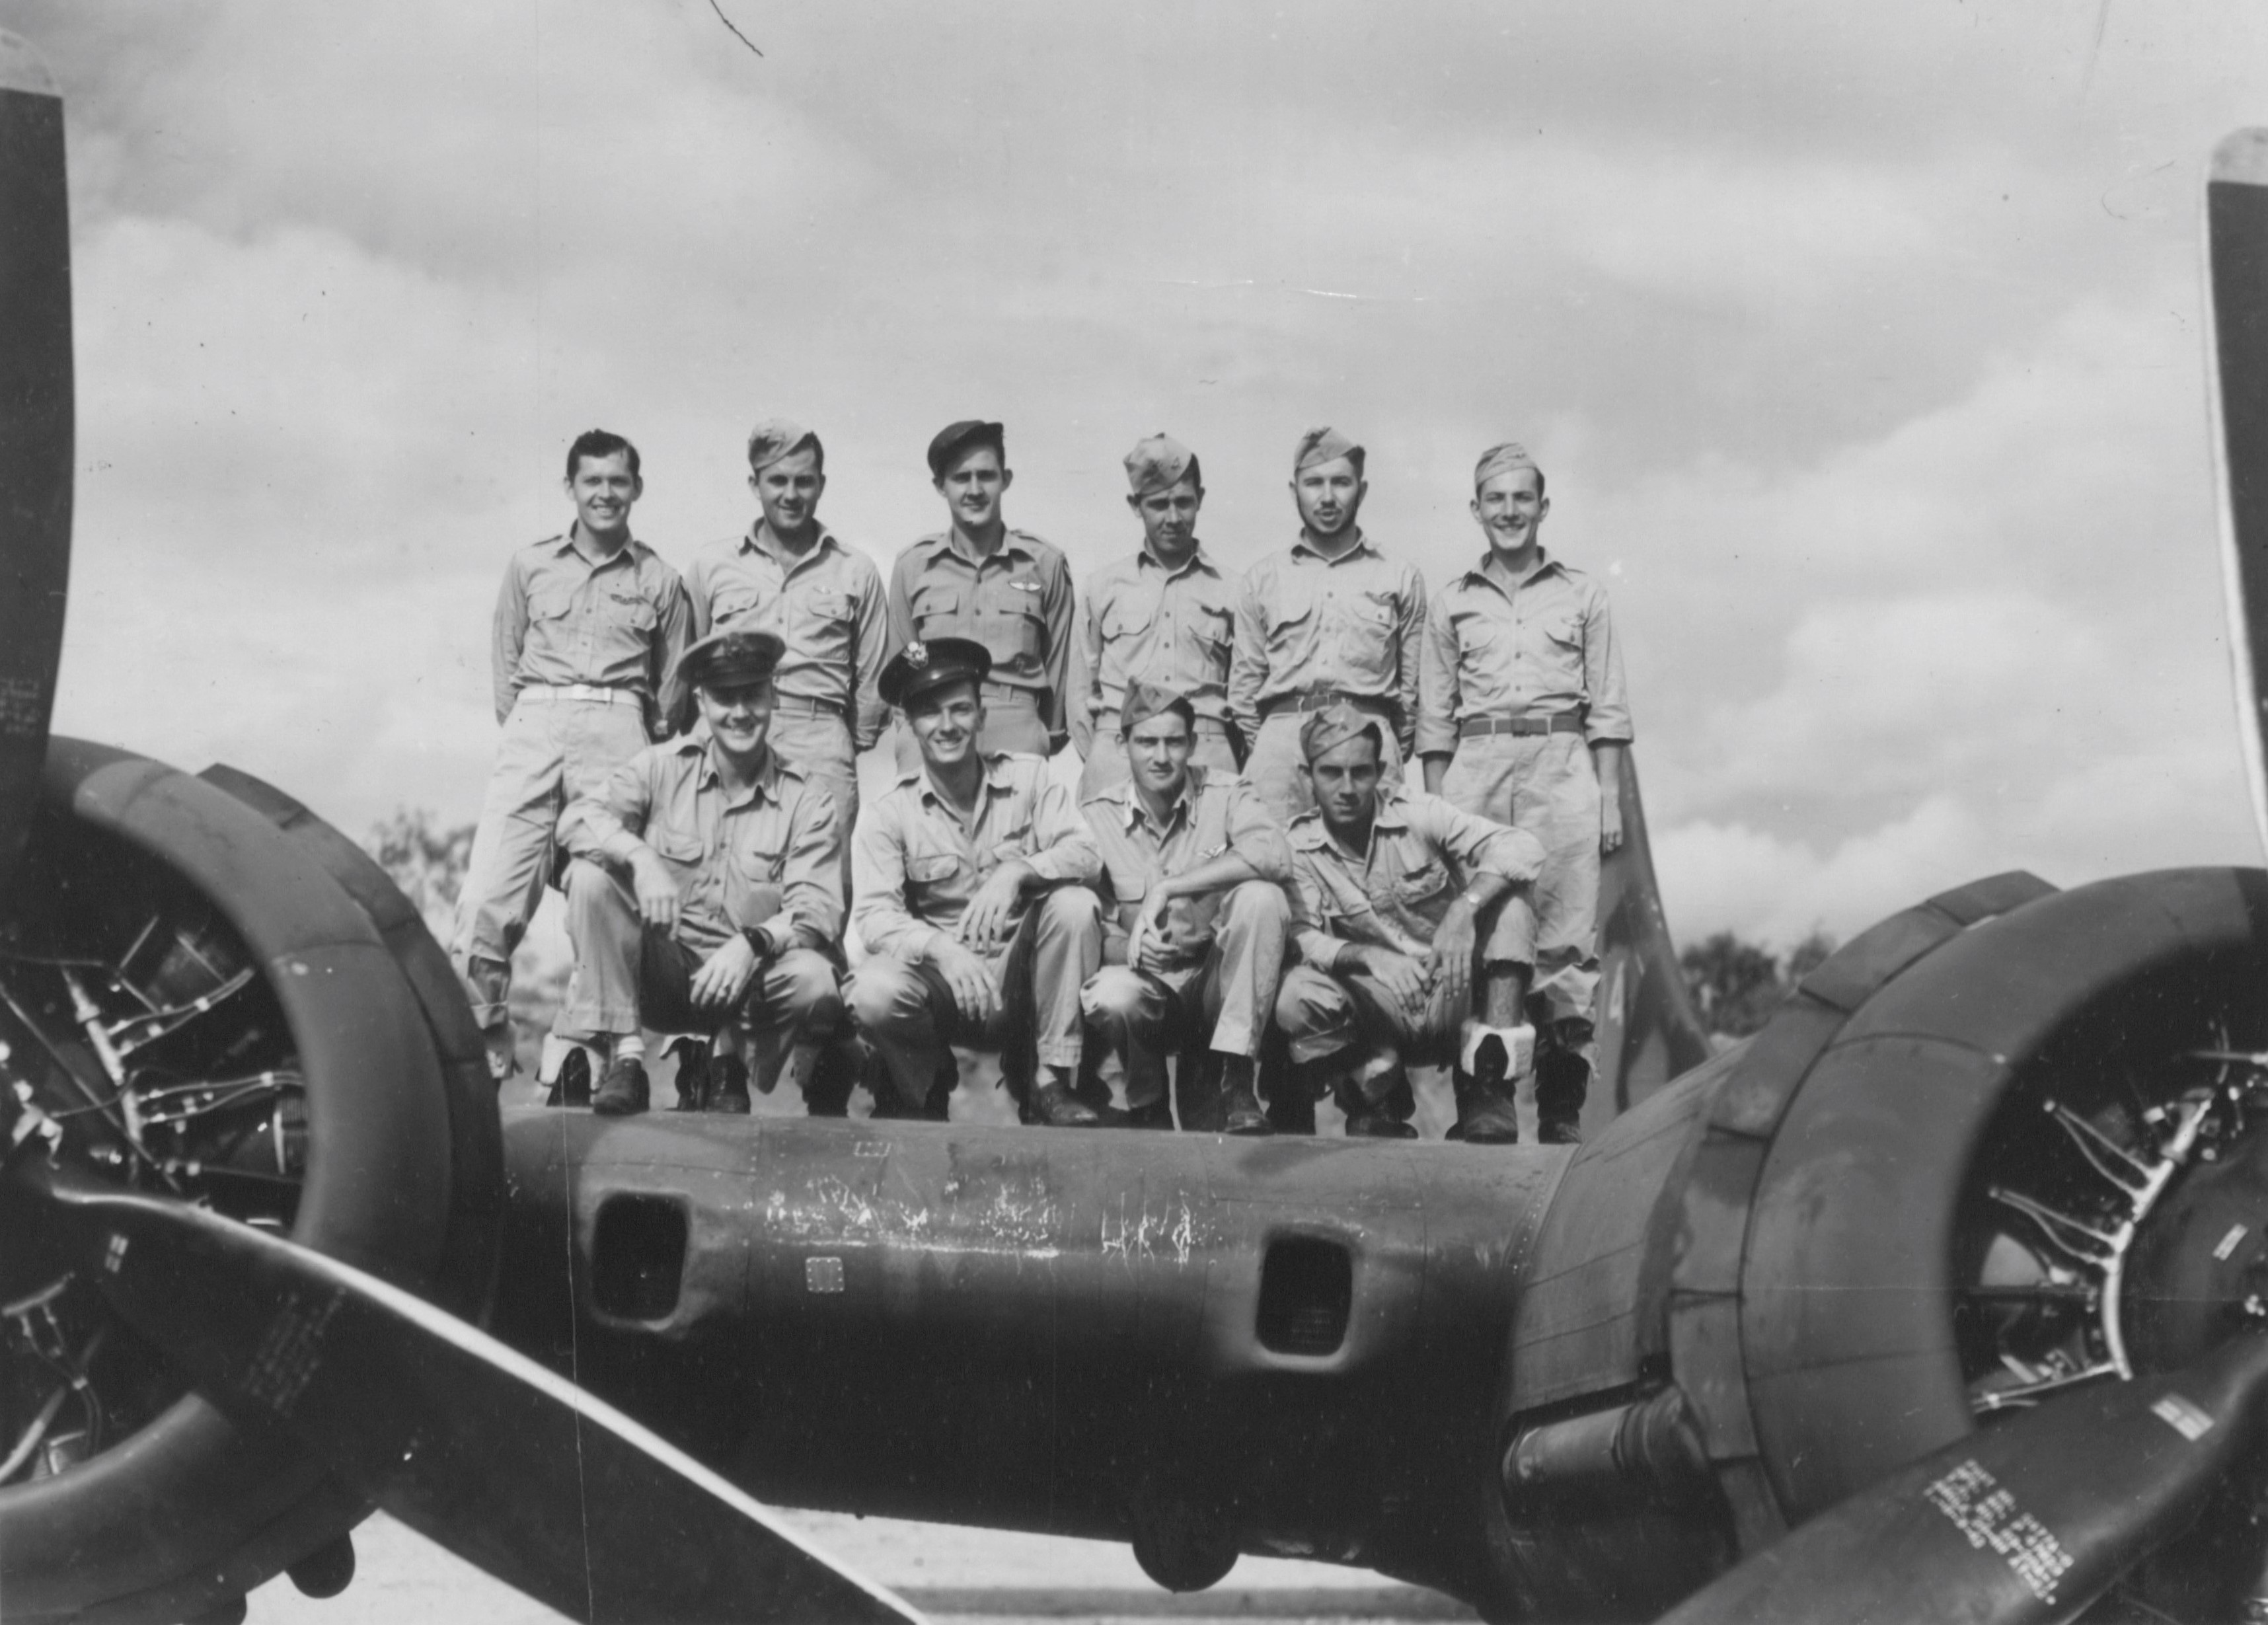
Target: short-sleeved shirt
x,y
1352,625
1144,622
825,604
1209,820
781,832
915,865
1542,645
1016,601
1423,852
561,619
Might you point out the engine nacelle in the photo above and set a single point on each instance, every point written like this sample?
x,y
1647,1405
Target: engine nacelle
x,y
205,989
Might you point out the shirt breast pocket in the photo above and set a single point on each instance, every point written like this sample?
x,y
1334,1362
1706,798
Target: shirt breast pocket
x,y
826,605
936,612
1371,625
1290,612
737,606
758,866
630,612
551,603
928,871
1010,623
678,846
1423,885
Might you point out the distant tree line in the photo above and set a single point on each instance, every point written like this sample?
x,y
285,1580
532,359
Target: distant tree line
x,y
1736,985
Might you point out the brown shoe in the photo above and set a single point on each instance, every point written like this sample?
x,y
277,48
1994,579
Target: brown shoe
x,y
692,1076
1055,1105
1239,1113
572,1086
1488,1111
623,1091
728,1086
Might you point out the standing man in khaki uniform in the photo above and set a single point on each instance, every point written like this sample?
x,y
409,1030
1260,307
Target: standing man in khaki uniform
x,y
1524,721
707,887
788,574
1193,871
1396,899
1329,620
970,892
1166,616
1006,589
588,626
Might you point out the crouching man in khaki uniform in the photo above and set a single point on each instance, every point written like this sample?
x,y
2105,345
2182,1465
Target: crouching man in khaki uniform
x,y
970,881
706,888
1195,864
1388,892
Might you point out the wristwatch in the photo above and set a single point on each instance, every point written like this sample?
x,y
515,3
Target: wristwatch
x,y
760,940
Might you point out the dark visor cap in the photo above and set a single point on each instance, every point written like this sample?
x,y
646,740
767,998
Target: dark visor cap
x,y
955,441
727,659
919,668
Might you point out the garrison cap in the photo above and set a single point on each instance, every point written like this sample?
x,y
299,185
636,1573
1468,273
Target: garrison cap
x,y
1145,700
777,438
1334,727
955,441
919,667
1158,464
1325,446
1502,460
734,656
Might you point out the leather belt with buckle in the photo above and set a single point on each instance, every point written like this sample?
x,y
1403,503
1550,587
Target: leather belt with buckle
x,y
1566,721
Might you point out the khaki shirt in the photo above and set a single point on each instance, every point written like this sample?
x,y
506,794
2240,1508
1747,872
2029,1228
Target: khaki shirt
x,y
1210,819
915,866
1423,852
1016,601
1352,625
781,833
562,620
1541,646
827,605
1142,622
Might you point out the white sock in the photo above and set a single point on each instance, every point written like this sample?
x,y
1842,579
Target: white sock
x,y
631,1047
1518,1047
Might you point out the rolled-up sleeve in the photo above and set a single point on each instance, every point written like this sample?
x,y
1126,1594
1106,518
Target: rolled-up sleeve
x,y
1062,847
878,890
1437,682
1608,719
612,823
811,874
1257,836
1476,845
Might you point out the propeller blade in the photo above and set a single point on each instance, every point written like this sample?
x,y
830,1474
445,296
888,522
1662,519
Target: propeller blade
x,y
2030,1521
35,428
2236,309
469,1443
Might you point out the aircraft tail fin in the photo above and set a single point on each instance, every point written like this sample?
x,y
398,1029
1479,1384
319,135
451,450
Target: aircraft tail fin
x,y
1648,1030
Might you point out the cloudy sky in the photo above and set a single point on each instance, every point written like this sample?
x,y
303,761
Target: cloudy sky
x,y
1861,345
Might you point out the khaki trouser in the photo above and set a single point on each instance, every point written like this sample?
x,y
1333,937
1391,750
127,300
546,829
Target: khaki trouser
x,y
906,1013
1334,1021
629,974
1545,784
1143,1017
1278,769
552,752
1012,722
1105,768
